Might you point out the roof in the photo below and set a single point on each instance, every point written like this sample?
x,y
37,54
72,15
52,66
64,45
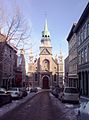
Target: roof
x,y
71,32
12,46
3,40
54,61
82,18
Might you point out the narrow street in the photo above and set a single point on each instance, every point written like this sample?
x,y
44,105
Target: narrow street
x,y
43,106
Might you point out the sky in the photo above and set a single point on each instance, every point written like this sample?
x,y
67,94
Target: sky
x,y
61,14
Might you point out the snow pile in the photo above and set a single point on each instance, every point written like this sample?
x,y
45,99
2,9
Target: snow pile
x,y
84,108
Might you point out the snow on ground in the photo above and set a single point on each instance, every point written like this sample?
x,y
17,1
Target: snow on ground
x,y
74,111
4,109
84,106
67,109
82,110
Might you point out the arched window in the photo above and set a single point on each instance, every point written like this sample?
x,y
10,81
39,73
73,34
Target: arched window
x,y
46,65
45,35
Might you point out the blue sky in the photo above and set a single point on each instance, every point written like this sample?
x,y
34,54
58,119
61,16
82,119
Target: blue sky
x,y
61,14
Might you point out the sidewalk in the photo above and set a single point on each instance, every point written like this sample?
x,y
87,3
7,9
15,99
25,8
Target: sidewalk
x,y
8,107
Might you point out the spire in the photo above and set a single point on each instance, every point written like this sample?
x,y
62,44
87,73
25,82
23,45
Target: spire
x,y
60,52
60,57
46,25
46,32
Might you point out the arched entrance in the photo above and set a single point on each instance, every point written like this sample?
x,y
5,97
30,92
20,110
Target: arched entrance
x,y
45,82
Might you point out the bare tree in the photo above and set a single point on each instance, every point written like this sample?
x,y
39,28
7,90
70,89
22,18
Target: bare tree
x,y
17,31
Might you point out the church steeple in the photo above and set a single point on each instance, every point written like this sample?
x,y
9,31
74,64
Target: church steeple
x,y
46,33
46,25
45,47
61,63
60,58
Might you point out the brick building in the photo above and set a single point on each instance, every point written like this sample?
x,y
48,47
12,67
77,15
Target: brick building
x,y
8,63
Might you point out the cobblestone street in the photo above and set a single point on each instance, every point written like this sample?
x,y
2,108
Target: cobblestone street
x,y
43,106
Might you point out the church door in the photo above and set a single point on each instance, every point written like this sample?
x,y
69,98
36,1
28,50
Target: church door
x,y
45,82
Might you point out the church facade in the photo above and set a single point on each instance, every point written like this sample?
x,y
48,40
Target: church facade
x,y
46,71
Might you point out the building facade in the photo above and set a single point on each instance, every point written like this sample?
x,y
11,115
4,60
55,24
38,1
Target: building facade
x,y
82,33
8,63
44,71
66,68
72,46
21,71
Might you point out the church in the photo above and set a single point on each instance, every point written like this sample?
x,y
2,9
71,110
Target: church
x,y
45,71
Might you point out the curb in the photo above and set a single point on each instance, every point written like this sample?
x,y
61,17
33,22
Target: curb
x,y
85,98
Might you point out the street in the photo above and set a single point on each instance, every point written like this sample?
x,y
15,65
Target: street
x,y
44,106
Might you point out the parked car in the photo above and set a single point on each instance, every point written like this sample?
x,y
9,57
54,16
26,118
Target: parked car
x,y
3,90
15,92
69,94
56,91
34,90
38,88
24,91
4,97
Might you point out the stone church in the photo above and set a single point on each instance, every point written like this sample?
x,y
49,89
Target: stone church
x,y
45,71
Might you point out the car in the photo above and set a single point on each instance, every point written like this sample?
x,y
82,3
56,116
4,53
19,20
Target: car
x,y
24,92
56,91
4,97
38,88
34,90
3,90
70,94
15,92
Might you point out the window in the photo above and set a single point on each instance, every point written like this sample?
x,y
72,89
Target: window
x,y
84,32
10,53
88,28
5,51
79,58
82,56
79,40
85,52
46,65
81,35
71,90
54,77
